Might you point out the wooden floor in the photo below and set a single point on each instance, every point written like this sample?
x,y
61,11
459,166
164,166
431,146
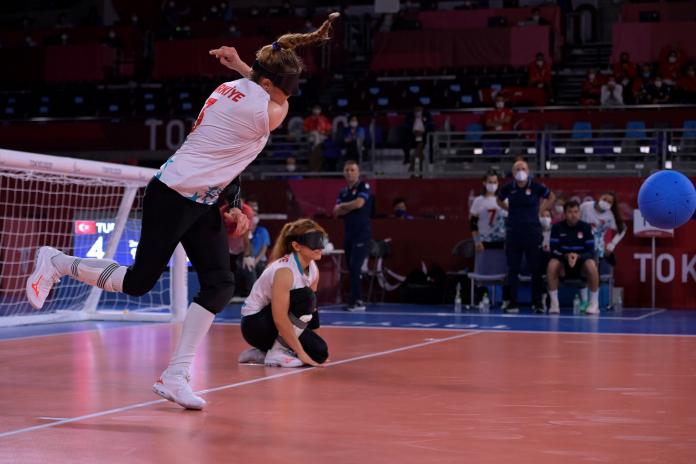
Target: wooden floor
x,y
390,396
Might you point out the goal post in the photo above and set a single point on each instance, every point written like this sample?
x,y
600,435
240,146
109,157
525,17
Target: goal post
x,y
85,208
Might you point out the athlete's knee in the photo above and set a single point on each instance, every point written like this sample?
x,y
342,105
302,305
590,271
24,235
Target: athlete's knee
x,y
217,289
303,302
137,283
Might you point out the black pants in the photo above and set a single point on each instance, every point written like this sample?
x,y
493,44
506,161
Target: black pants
x,y
169,218
357,249
260,331
528,245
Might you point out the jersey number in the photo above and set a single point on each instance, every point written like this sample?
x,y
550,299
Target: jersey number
x,y
199,119
491,216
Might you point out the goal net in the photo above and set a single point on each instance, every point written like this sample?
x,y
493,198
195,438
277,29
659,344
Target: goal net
x,y
86,209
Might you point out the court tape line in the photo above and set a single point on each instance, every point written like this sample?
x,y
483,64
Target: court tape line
x,y
236,385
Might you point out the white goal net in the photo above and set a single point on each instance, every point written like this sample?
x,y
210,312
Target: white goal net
x,y
86,209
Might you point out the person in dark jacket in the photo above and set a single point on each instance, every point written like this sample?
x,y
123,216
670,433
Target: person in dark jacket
x,y
573,256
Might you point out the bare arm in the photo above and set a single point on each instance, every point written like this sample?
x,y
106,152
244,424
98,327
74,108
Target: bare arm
x,y
229,58
315,284
277,113
280,305
548,202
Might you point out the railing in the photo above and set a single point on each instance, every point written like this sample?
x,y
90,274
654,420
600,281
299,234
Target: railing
x,y
614,152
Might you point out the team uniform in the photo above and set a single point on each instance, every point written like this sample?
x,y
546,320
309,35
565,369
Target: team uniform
x,y
602,222
524,234
258,327
576,239
490,221
357,234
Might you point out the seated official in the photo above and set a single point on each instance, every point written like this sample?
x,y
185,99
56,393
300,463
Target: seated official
x,y
572,256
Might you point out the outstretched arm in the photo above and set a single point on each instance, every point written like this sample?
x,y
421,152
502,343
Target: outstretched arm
x,y
229,58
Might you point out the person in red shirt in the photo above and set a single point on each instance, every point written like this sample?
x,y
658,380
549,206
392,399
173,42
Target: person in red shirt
x,y
639,88
670,65
625,72
591,89
499,119
317,127
686,86
540,74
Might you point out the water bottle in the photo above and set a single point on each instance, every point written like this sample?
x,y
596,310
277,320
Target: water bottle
x,y
458,299
485,305
619,302
576,304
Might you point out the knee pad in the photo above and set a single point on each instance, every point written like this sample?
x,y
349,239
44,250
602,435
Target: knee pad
x,y
217,289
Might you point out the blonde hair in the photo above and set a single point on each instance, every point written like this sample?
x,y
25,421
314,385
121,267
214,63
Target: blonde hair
x,y
282,246
280,56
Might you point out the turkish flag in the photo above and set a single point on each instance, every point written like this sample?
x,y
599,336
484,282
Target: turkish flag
x,y
85,227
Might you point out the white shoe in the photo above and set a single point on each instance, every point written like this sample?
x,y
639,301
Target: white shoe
x,y
45,275
554,308
593,308
282,357
174,386
356,307
252,356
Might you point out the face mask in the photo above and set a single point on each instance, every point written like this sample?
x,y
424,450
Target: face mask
x,y
290,167
658,84
603,205
491,188
545,222
354,124
499,105
535,17
316,112
672,59
690,73
558,209
591,76
539,62
521,176
255,220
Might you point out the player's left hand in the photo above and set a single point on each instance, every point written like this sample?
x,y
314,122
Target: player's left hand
x,y
235,216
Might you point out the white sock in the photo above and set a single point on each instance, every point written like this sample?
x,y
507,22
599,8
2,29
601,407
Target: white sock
x,y
554,297
594,298
196,324
103,273
583,293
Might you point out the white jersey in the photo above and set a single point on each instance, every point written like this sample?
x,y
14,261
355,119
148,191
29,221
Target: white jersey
x,y
491,218
601,222
260,295
231,130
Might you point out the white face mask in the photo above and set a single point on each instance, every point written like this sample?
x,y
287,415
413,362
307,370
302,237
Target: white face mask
x,y
672,59
658,84
500,104
290,167
592,76
491,188
603,205
255,220
353,124
558,209
545,222
521,176
539,62
316,111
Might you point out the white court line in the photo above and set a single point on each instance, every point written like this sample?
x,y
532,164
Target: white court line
x,y
234,385
503,315
652,313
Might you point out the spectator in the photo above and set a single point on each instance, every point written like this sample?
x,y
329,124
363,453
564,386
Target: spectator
x,y
641,84
523,230
353,205
540,74
625,73
233,32
659,93
612,93
112,40
418,124
536,19
399,209
353,139
260,242
572,250
670,66
557,213
686,86
604,218
546,222
591,89
499,119
317,127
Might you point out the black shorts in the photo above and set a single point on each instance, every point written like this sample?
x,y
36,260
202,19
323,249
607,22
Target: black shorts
x,y
575,272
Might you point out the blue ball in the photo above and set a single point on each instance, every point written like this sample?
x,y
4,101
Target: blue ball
x,y
667,199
